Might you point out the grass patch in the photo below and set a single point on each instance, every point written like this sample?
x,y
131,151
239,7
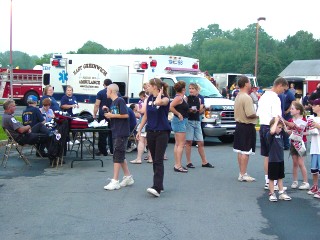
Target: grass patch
x,y
3,135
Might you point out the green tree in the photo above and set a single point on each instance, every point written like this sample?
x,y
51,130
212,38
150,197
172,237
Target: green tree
x,y
92,48
19,60
218,51
44,59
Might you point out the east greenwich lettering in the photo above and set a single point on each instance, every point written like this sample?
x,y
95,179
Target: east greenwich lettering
x,y
90,65
96,82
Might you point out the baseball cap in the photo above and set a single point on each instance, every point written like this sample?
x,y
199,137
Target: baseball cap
x,y
316,101
32,99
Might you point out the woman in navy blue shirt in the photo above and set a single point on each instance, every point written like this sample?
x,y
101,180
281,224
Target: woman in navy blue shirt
x,y
69,102
48,93
158,130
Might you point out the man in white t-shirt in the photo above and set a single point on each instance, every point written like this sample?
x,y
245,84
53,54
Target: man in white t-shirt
x,y
269,106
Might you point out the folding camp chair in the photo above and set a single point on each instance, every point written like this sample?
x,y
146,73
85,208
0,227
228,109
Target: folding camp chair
x,y
132,139
12,143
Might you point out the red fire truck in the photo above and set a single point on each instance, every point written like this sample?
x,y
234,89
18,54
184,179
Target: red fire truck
x,y
25,82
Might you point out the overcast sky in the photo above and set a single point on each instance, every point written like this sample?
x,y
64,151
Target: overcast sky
x,y
41,26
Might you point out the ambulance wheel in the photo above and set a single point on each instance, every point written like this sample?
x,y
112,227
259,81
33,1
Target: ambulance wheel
x,y
27,95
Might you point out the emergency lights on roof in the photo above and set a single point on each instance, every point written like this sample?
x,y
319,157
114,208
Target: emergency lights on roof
x,y
195,66
181,70
153,63
144,65
58,62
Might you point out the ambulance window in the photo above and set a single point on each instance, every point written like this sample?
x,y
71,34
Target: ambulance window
x,y
171,90
46,79
122,88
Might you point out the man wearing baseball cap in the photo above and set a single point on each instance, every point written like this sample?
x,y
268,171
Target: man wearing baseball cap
x,y
32,114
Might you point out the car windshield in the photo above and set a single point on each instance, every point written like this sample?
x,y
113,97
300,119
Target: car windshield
x,y
207,90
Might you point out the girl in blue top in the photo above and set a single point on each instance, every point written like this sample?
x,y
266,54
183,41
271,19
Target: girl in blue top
x,y
158,130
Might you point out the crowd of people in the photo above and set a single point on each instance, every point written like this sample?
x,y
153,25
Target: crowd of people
x,y
283,126
282,119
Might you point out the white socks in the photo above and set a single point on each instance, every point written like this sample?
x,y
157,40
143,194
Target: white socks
x,y
267,180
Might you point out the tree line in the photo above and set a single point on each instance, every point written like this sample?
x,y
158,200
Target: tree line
x,y
218,52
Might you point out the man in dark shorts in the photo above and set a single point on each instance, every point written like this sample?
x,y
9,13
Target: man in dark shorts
x,y
119,121
245,132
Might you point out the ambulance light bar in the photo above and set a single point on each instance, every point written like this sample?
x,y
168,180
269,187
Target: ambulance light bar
x,y
58,62
144,65
182,70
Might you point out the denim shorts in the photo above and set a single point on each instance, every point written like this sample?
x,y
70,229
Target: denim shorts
x,y
315,163
194,131
177,125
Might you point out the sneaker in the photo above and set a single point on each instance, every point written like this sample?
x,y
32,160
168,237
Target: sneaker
x,y
70,143
245,178
109,153
76,142
131,148
294,184
114,184
313,190
266,186
126,181
304,186
284,196
272,197
153,192
276,188
317,195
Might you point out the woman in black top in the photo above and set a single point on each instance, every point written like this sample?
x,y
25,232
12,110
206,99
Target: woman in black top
x,y
179,107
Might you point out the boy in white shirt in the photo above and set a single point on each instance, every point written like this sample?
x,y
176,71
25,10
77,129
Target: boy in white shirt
x,y
315,151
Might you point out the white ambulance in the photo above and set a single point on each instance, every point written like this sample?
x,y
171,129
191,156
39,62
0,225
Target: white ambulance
x,y
86,73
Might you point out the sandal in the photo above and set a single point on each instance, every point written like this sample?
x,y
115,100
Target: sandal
x,y
190,165
135,161
207,165
149,161
146,158
180,169
165,158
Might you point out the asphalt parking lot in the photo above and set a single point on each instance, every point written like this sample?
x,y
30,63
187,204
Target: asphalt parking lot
x,y
41,202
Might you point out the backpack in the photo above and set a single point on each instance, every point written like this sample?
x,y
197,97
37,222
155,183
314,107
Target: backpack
x,y
58,141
